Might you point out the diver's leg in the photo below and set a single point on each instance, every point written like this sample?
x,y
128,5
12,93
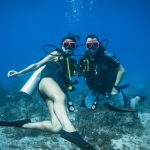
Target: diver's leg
x,y
54,120
121,101
51,89
53,125
89,99
134,101
117,100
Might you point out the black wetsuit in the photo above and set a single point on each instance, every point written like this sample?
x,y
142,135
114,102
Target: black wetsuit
x,y
100,71
59,71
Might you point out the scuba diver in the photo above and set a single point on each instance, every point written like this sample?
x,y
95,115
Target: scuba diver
x,y
53,84
103,74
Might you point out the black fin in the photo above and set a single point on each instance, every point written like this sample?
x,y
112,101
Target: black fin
x,y
75,138
117,109
18,123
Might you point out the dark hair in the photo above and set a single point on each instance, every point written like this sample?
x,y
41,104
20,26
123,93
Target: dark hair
x,y
92,36
72,37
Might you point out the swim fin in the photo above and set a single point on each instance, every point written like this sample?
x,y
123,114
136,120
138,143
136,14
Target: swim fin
x,y
18,123
118,109
75,138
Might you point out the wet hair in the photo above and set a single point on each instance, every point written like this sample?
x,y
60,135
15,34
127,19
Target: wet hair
x,y
74,38
92,36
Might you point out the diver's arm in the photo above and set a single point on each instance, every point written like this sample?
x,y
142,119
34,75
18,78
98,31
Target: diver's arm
x,y
34,66
119,77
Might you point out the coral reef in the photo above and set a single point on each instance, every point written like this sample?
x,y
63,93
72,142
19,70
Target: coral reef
x,y
104,129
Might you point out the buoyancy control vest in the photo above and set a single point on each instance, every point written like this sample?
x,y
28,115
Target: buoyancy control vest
x,y
100,70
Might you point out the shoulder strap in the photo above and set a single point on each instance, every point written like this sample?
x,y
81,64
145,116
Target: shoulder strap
x,y
111,56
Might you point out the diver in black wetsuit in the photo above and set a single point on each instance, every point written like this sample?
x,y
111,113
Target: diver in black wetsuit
x,y
59,67
103,74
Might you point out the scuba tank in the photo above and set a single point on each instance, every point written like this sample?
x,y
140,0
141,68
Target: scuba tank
x,y
31,85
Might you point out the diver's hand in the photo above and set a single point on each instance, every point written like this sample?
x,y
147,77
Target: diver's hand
x,y
114,91
13,73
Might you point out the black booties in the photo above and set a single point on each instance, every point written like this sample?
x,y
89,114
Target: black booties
x,y
18,123
75,138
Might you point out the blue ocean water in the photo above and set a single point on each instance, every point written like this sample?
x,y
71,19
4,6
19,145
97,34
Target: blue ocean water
x,y
26,25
